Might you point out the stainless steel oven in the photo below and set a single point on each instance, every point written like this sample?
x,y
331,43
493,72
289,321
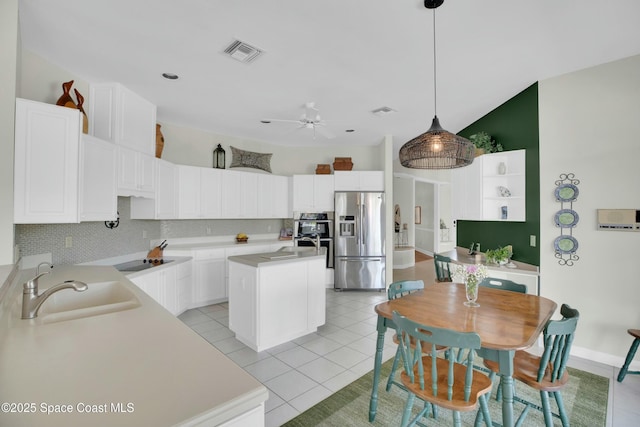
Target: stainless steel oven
x,y
314,224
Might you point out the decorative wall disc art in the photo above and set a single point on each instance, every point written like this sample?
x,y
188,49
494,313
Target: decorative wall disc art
x,y
565,245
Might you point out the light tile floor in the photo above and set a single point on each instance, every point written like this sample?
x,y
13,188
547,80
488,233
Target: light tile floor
x,y
303,372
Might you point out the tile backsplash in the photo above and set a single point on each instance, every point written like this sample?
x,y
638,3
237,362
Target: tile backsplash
x,y
92,241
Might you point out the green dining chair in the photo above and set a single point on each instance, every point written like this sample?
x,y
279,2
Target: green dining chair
x,y
546,373
503,284
635,333
440,381
443,270
398,290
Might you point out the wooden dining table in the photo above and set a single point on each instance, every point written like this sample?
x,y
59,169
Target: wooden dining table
x,y
506,322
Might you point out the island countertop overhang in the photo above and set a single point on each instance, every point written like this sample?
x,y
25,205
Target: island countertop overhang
x,y
279,257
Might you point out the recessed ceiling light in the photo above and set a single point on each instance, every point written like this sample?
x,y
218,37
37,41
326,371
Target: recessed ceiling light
x,y
170,76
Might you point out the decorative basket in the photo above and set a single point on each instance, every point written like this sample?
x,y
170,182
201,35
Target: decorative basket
x,y
342,164
242,240
323,169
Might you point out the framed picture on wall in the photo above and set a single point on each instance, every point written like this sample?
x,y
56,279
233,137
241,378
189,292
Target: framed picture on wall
x,y
418,215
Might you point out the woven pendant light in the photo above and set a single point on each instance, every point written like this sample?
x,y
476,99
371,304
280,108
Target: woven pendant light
x,y
436,148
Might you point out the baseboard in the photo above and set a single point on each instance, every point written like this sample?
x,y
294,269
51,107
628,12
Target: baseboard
x,y
605,358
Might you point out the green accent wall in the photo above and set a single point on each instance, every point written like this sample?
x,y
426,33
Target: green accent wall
x,y
514,124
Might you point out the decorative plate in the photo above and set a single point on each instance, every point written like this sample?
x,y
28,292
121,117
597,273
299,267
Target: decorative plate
x,y
566,193
565,244
566,218
504,191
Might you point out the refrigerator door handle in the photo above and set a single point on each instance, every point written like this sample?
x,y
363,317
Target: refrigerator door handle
x,y
364,222
362,260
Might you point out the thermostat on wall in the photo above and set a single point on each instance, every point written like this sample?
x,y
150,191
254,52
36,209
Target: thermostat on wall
x,y
619,219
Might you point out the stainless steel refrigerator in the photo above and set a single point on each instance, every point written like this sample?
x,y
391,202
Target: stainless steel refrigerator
x,y
359,240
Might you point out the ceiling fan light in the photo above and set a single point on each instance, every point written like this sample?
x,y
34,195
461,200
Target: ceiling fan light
x,y
437,149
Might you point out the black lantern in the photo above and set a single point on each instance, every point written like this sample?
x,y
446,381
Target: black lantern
x,y
218,157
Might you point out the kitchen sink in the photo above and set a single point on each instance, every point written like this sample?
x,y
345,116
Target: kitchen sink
x,y
99,298
138,265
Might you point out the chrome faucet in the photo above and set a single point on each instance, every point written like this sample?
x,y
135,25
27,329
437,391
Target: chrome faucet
x,y
316,241
41,264
31,301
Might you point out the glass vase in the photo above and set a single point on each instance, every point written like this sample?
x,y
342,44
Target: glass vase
x,y
471,288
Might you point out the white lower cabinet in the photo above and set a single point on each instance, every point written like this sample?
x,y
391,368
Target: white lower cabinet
x,y
184,291
167,285
150,284
252,418
209,286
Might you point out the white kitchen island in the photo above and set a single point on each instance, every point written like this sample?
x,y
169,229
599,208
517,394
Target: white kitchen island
x,y
276,297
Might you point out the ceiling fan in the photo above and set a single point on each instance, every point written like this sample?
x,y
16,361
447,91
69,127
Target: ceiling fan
x,y
310,119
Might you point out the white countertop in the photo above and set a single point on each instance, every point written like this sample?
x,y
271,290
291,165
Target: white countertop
x,y
177,245
279,257
461,255
142,360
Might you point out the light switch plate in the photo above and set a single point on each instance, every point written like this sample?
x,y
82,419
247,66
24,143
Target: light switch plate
x,y
532,240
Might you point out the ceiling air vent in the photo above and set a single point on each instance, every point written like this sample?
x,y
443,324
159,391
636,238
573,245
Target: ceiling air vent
x,y
383,111
242,51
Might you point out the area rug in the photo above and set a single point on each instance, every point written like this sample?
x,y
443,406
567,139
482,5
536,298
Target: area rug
x,y
585,398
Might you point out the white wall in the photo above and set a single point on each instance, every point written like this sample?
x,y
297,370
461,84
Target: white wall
x,y
42,81
195,147
426,198
9,55
404,197
590,126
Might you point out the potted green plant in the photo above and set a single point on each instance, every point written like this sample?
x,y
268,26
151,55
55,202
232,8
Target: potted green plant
x,y
499,256
484,143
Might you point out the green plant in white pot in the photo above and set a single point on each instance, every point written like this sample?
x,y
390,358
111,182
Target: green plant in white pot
x,y
485,143
499,256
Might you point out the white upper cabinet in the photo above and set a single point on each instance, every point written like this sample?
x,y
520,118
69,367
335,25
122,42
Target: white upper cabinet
x,y
359,180
136,173
467,191
492,188
199,192
119,115
273,196
313,193
59,175
210,192
98,198
239,194
164,204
